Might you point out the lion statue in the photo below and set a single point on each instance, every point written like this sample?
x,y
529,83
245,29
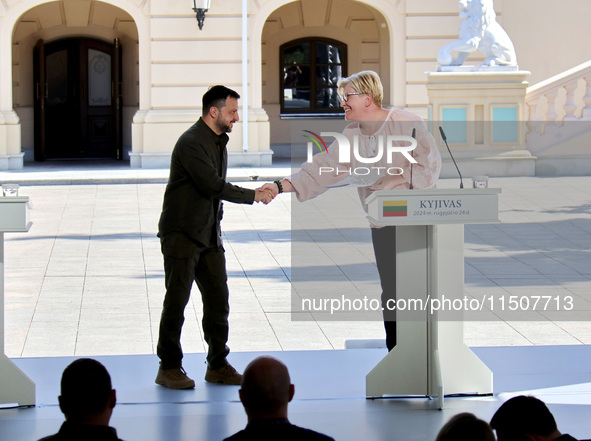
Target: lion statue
x,y
479,30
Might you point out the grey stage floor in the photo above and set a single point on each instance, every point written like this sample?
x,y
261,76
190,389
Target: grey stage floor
x,y
330,396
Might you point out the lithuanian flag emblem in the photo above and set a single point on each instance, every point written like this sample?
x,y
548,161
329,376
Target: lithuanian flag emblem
x,y
394,208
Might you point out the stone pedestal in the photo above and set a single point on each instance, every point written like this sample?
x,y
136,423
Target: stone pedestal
x,y
483,115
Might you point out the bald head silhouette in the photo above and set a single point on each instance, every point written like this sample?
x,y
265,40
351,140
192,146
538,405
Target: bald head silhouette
x,y
265,392
266,389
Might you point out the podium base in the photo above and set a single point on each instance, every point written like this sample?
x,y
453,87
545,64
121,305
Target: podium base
x,y
20,389
430,357
404,370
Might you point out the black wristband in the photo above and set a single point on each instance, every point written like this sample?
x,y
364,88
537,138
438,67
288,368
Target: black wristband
x,y
279,186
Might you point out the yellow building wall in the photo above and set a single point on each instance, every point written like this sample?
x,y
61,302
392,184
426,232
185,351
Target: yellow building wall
x,y
361,27
61,19
169,64
549,36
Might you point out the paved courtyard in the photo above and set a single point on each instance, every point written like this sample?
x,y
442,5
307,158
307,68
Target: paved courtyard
x,y
87,279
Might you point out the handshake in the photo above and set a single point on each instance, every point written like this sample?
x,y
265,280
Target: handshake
x,y
267,192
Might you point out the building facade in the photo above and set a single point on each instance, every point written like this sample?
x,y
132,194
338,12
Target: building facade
x,y
124,78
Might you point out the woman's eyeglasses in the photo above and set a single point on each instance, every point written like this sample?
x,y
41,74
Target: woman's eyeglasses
x,y
344,98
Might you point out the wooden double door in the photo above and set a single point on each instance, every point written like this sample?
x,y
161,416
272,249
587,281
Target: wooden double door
x,y
77,99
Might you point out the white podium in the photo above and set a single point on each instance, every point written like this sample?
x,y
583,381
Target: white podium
x,y
430,357
16,386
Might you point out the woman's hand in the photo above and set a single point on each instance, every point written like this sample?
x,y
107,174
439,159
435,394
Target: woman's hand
x,y
387,182
274,189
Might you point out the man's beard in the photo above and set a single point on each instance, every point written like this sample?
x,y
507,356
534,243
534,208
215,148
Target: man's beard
x,y
222,126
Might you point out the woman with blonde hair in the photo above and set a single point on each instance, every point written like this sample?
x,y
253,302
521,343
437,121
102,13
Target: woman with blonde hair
x,y
361,97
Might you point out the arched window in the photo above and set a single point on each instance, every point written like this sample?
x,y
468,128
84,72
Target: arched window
x,y
310,70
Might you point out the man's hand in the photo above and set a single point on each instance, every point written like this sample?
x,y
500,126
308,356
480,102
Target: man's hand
x,y
263,195
387,182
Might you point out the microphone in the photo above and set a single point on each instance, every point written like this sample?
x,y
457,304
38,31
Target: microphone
x,y
414,135
452,156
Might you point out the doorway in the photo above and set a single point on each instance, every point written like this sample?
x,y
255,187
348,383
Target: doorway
x,y
77,99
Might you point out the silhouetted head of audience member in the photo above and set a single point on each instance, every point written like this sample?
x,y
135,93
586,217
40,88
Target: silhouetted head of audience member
x,y
87,396
465,427
266,389
524,418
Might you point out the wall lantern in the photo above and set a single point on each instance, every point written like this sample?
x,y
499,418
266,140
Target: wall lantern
x,y
200,7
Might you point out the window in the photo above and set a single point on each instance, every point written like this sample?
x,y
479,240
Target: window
x,y
310,70
505,125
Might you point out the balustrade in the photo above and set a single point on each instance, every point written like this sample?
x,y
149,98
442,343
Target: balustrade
x,y
563,95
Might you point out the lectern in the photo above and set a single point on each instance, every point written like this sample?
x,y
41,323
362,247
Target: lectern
x,y
430,357
16,386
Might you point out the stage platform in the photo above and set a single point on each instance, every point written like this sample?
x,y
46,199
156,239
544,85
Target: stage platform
x,y
330,396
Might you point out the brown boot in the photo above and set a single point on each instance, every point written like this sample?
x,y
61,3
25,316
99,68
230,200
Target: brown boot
x,y
174,379
224,375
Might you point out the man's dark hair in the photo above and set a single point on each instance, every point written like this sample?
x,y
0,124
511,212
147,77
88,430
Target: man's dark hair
x,y
85,388
521,415
216,97
465,427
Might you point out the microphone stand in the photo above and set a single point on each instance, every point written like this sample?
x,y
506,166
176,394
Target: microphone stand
x,y
414,135
452,156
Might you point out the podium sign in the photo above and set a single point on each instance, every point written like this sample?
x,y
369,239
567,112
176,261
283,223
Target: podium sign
x,y
13,212
430,356
437,206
